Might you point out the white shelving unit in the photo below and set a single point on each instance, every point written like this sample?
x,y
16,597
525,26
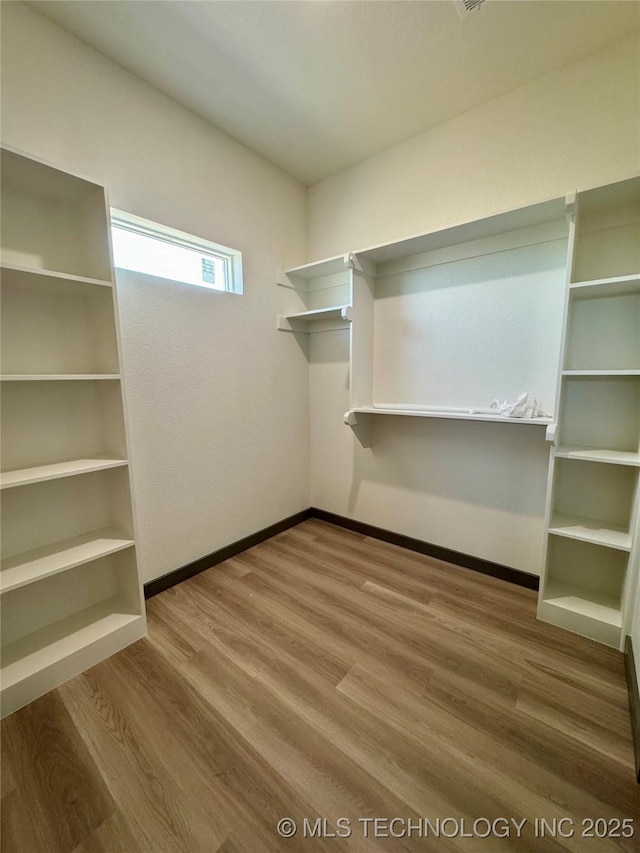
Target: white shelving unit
x,y
309,321
594,454
591,530
593,497
592,259
55,377
70,591
357,288
30,566
471,415
41,473
318,297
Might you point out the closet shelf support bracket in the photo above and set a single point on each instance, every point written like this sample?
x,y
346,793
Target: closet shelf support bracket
x,y
361,424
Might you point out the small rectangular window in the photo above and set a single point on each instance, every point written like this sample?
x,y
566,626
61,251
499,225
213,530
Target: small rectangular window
x,y
157,250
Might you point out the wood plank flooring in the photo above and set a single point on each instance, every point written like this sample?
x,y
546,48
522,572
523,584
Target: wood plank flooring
x,y
326,675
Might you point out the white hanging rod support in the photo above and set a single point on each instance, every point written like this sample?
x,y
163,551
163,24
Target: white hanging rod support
x,y
353,261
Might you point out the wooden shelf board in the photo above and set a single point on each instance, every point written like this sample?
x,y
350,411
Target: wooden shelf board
x,y
617,286
47,646
56,377
590,530
594,454
39,563
584,601
603,373
56,470
35,274
471,415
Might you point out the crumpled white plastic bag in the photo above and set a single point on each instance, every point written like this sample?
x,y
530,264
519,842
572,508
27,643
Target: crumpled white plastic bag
x,y
526,406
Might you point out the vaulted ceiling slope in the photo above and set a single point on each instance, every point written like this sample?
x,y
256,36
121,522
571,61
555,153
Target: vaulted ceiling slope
x,y
317,85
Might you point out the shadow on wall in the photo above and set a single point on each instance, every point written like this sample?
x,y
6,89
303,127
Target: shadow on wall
x,y
486,464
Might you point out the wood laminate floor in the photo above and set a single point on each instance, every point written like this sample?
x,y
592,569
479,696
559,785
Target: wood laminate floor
x,y
326,675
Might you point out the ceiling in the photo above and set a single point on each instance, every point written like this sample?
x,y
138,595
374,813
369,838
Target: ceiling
x,y
317,85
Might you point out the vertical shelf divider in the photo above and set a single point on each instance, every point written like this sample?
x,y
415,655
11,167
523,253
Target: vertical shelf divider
x,y
363,284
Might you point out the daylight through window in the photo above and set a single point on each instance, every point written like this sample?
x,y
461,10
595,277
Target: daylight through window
x,y
157,250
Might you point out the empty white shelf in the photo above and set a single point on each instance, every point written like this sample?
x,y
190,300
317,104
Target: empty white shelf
x,y
470,415
617,286
48,646
32,275
319,269
304,320
602,373
594,454
56,470
584,601
39,563
590,530
55,377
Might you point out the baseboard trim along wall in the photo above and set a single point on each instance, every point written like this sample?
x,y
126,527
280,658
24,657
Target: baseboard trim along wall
x,y
185,572
634,699
477,564
486,567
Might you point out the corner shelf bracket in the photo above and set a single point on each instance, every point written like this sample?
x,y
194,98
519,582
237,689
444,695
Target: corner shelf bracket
x,y
361,424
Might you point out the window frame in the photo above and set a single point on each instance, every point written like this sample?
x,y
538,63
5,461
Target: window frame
x,y
231,258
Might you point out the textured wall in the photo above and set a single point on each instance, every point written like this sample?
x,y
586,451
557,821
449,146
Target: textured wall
x,y
477,488
217,398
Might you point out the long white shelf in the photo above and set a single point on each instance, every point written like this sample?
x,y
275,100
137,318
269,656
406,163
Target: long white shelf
x,y
50,645
56,470
602,373
617,286
304,320
55,377
584,601
470,415
36,274
39,563
594,454
590,530
466,232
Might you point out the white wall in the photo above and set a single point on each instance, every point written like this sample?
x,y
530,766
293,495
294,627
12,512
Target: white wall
x,y
217,398
573,128
473,487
